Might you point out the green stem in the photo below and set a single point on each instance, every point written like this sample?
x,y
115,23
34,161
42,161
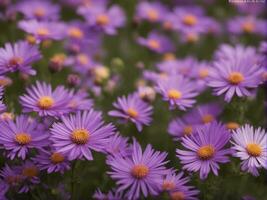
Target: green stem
x,y
73,180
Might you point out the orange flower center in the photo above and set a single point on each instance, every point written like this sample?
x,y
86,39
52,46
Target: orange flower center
x,y
169,56
7,116
15,61
191,37
102,19
203,73
254,149
153,15
83,59
132,112
168,185
30,171
206,152
248,27
177,196
232,125
140,171
153,44
31,39
43,32
23,138
235,78
190,20
188,130
75,33
174,94
13,180
58,59
80,136
39,12
207,118
45,102
57,158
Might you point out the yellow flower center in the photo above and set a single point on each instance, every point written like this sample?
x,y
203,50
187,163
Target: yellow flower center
x,y
30,171
83,59
57,158
152,15
203,73
140,171
232,125
167,25
45,102
31,39
248,27
23,138
254,149
43,32
191,37
102,19
169,56
5,81
206,152
80,136
153,44
174,94
177,196
168,185
190,20
58,59
188,130
39,12
207,118
235,78
132,112
7,116
15,61
75,33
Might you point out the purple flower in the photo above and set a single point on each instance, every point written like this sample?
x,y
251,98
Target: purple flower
x,y
247,24
41,99
52,161
18,57
21,135
43,30
141,173
11,176
77,135
37,9
175,185
152,12
134,109
236,71
111,195
156,42
178,91
205,149
118,145
80,101
105,19
250,146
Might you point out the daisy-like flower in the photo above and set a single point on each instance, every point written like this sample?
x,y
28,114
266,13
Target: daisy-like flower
x,y
41,99
178,91
108,20
111,195
78,134
205,149
175,185
11,176
18,57
40,10
20,135
134,109
141,173
118,145
236,71
80,101
44,30
156,42
250,146
52,161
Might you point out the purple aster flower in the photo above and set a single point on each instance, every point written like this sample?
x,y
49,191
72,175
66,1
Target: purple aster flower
x,y
134,109
81,63
108,20
80,101
111,195
141,173
52,161
41,99
37,9
235,72
247,24
205,149
40,31
175,185
3,189
250,146
156,42
5,81
118,145
18,57
77,135
150,11
11,176
21,135
178,91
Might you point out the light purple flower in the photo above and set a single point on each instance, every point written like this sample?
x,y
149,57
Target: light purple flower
x,y
80,101
134,109
250,146
111,195
78,134
21,135
205,149
18,57
118,145
141,173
